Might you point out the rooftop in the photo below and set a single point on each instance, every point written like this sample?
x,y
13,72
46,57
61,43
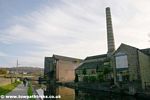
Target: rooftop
x,y
92,62
96,57
66,58
146,51
90,65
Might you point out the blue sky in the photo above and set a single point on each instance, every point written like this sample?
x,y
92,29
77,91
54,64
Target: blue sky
x,y
33,29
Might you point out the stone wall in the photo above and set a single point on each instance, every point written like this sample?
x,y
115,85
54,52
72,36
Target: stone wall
x,y
133,62
144,61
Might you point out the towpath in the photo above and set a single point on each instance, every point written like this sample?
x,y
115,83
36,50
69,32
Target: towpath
x,y
16,93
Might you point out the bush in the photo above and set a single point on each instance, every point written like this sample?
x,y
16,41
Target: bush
x,y
100,77
84,71
85,79
92,78
30,91
3,71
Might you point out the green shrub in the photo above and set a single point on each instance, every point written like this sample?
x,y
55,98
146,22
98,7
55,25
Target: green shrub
x,y
92,78
100,77
84,71
30,91
85,78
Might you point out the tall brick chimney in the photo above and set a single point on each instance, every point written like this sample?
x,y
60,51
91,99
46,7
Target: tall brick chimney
x,y
110,36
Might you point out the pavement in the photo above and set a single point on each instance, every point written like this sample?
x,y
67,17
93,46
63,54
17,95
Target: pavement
x,y
19,91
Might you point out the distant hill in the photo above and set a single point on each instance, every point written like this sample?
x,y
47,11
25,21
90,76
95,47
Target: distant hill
x,y
29,70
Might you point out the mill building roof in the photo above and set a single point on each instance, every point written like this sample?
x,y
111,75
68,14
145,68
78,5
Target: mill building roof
x,y
92,62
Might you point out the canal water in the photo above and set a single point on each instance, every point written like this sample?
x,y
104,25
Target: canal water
x,y
72,94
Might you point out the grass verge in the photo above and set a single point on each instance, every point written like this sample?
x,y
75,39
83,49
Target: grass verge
x,y
30,91
7,88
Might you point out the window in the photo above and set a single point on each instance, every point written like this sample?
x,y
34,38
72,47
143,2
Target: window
x,y
122,67
121,60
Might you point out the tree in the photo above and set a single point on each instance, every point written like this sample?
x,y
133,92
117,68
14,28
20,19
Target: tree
x,y
76,78
3,71
84,71
106,70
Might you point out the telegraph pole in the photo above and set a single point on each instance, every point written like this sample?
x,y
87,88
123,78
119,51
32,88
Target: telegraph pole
x,y
16,69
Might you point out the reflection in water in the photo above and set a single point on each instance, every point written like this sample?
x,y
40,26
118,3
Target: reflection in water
x,y
72,94
66,93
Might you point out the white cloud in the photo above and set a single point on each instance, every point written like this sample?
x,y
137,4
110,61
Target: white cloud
x,y
2,54
77,28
